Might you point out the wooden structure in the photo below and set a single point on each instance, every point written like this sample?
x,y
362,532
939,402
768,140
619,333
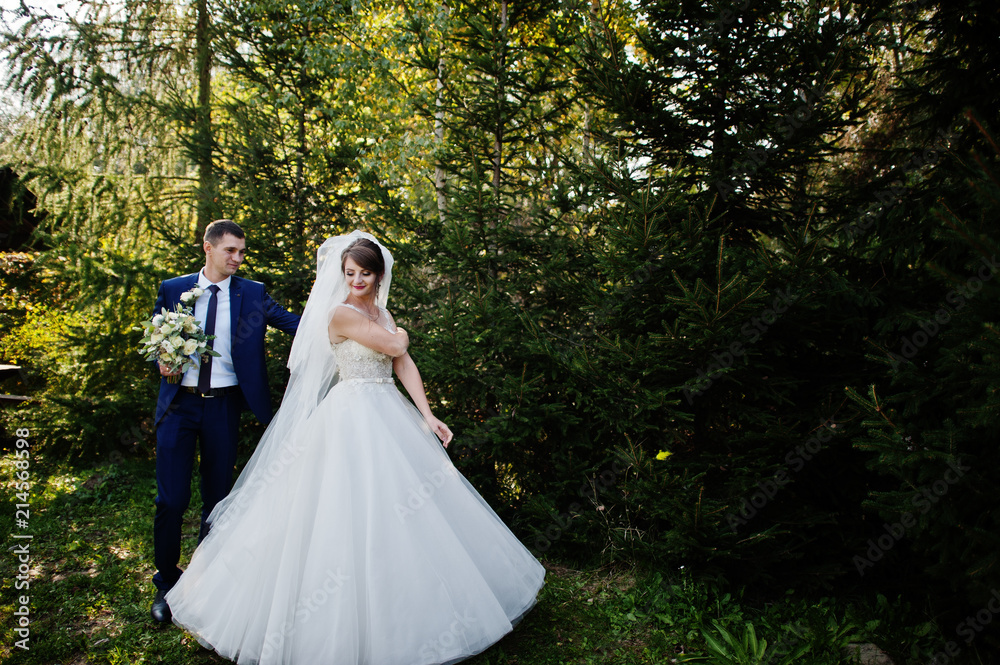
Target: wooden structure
x,y
6,371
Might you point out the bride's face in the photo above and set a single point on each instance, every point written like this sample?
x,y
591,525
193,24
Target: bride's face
x,y
361,281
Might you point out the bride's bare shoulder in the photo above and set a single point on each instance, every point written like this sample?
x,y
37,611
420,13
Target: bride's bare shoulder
x,y
345,309
343,317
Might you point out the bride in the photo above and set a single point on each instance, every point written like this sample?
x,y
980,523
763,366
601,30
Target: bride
x,y
350,538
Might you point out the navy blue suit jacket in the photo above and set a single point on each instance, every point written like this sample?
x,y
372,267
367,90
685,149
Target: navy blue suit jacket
x,y
251,310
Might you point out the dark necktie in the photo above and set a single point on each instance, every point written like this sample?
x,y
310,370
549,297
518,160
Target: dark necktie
x,y
205,375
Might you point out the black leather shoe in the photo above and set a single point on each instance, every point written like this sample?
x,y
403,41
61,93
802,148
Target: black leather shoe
x,y
160,611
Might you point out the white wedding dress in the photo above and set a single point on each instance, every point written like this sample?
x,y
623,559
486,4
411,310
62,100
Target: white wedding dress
x,y
358,543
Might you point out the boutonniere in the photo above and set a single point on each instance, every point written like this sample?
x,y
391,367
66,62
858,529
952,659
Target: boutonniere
x,y
188,297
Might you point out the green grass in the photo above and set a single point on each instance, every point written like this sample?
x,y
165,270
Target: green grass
x,y
91,558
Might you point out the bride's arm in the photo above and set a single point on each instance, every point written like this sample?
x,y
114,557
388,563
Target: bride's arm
x,y
347,323
409,376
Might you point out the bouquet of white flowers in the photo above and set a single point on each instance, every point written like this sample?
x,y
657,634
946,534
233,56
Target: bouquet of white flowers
x,y
176,339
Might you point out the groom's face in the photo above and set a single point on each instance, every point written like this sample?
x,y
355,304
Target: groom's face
x,y
223,259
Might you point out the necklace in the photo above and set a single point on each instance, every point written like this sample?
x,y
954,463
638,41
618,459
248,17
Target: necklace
x,y
364,309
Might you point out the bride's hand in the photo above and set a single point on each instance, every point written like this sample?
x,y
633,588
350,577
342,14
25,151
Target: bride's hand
x,y
400,331
440,429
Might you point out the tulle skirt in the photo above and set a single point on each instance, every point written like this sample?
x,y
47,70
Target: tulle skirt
x,y
358,542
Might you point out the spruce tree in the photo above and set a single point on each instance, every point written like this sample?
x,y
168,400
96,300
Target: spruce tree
x,y
491,228
927,256
97,143
714,295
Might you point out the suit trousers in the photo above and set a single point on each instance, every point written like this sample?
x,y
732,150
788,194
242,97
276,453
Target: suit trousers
x,y
190,419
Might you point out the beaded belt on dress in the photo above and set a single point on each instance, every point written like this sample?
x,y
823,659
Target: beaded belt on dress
x,y
381,379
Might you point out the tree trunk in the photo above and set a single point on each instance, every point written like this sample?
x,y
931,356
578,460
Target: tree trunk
x,y
442,202
206,199
498,135
498,141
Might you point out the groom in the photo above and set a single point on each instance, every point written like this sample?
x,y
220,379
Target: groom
x,y
205,405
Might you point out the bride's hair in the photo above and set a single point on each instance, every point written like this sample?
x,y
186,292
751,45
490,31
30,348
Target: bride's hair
x,y
366,254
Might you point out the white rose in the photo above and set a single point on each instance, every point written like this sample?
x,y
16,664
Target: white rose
x,y
166,330
176,342
191,295
158,320
190,346
156,338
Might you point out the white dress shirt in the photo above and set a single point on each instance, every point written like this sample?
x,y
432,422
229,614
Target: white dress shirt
x,y
223,373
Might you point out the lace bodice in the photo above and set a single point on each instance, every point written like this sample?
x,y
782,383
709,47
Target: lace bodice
x,y
357,361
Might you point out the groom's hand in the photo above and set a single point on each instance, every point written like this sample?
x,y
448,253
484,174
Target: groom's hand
x,y
165,372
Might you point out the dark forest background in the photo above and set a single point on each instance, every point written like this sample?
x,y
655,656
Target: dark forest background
x,y
702,284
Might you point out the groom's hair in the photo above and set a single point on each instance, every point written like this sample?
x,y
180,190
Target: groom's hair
x,y
219,228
